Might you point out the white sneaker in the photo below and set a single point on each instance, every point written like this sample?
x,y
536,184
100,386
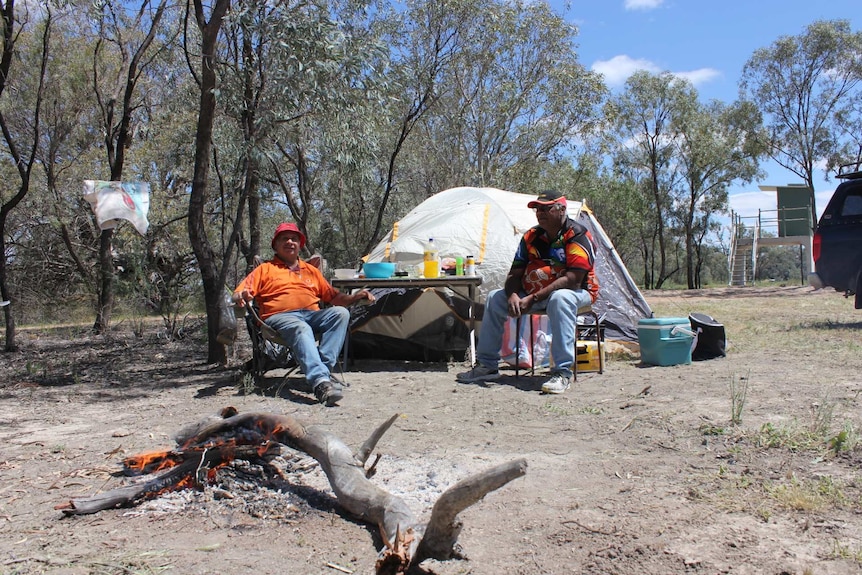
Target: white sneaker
x,y
557,384
478,373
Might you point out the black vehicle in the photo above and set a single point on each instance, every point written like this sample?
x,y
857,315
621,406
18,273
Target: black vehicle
x,y
837,246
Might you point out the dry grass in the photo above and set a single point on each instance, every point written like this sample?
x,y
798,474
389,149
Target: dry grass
x,y
807,322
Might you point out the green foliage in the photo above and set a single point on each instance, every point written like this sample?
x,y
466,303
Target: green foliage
x,y
845,440
805,86
780,263
345,115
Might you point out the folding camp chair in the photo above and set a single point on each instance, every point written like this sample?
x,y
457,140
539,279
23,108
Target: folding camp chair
x,y
587,330
269,352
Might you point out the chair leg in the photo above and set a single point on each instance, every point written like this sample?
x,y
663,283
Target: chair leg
x,y
598,333
599,342
532,346
575,363
517,347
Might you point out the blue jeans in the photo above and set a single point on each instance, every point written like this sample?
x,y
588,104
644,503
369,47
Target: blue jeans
x,y
562,311
300,329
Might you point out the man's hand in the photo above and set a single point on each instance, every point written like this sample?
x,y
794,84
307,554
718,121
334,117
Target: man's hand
x,y
242,297
519,305
364,294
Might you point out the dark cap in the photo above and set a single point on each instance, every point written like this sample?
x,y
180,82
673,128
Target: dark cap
x,y
547,198
288,227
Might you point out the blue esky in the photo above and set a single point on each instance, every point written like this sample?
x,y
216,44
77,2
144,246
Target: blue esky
x,y
708,42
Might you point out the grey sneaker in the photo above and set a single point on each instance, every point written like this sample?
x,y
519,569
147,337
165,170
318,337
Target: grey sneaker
x,y
328,393
557,384
478,373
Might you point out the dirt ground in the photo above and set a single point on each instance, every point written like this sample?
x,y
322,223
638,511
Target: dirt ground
x,y
634,471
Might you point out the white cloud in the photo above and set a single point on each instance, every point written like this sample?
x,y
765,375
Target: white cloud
x,y
617,70
643,4
700,76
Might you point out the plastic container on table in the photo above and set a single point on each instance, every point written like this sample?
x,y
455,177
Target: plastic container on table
x,y
431,264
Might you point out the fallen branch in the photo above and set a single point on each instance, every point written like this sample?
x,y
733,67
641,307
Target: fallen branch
x,y
406,541
441,534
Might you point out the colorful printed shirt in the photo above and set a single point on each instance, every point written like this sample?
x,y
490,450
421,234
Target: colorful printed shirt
x,y
572,249
277,288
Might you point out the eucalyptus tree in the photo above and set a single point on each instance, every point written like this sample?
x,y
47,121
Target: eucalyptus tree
x,y
514,97
642,120
364,142
121,54
805,86
162,273
296,81
422,42
207,20
716,145
64,229
849,152
273,69
20,128
622,208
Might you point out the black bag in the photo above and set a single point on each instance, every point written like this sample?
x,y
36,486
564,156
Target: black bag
x,y
710,341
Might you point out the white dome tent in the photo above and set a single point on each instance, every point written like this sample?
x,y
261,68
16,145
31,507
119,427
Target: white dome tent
x,y
486,223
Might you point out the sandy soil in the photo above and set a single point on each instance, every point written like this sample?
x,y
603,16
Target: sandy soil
x,y
634,471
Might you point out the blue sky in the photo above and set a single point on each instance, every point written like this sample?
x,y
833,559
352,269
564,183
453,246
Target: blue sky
x,y
708,42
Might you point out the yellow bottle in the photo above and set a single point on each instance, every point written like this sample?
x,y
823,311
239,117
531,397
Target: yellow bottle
x,y
432,260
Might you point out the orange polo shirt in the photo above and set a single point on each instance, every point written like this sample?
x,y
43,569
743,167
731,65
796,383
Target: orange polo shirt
x,y
277,288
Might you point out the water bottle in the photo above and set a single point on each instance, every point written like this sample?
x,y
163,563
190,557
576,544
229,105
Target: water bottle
x,y
432,260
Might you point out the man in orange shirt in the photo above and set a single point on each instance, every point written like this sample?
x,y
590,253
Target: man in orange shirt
x,y
289,291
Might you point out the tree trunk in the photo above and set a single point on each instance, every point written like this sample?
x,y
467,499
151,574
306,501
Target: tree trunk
x,y
8,316
210,275
106,283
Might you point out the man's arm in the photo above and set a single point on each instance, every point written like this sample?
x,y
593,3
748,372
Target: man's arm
x,y
514,281
513,286
346,299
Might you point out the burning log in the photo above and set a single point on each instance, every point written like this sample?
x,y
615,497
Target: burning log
x,y
179,469
407,542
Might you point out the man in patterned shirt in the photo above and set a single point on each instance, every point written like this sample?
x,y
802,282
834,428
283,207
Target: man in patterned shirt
x,y
552,271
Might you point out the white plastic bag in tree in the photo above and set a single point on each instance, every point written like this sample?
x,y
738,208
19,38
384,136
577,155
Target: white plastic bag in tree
x,y
115,201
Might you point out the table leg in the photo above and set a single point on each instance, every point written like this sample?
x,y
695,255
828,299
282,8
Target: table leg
x,y
471,292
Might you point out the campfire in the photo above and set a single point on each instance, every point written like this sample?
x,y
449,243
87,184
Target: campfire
x,y
209,445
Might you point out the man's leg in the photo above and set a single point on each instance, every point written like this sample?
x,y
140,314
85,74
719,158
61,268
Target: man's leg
x,y
491,332
490,340
562,310
331,324
299,336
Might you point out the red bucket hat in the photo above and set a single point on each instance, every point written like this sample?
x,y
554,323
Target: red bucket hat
x,y
288,227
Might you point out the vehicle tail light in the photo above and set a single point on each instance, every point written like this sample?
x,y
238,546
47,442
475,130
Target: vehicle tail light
x,y
815,246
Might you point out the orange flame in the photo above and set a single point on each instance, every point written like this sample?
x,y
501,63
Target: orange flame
x,y
152,461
